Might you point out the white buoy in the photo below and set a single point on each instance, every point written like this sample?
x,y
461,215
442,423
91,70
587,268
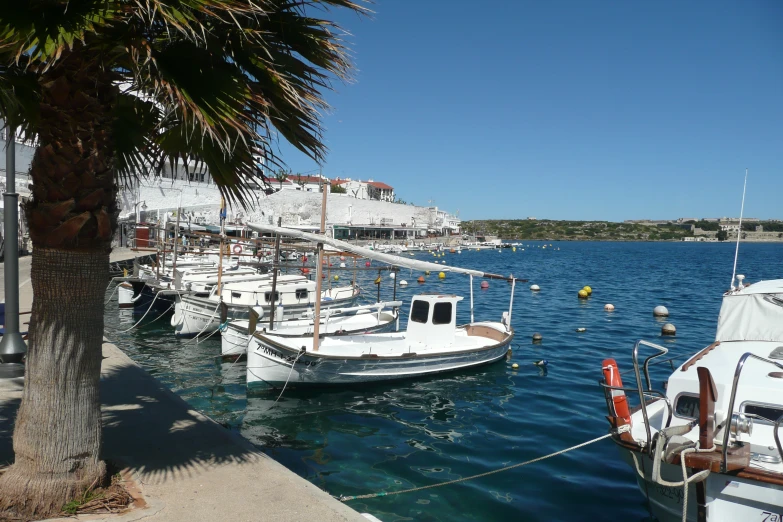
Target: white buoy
x,y
660,311
580,330
515,366
403,283
668,329
392,275
535,288
342,265
609,307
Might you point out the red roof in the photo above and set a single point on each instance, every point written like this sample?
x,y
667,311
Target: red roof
x,y
378,184
306,179
339,181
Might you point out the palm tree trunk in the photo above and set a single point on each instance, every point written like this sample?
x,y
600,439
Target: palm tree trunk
x,y
57,437
72,214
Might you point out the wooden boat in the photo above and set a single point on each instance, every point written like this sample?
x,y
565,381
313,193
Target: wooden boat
x,y
720,414
432,343
373,318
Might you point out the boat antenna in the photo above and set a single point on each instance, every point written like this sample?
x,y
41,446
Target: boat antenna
x,y
739,232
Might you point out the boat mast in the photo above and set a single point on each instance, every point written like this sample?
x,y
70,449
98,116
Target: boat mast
x,y
319,271
275,268
220,250
471,298
739,232
176,235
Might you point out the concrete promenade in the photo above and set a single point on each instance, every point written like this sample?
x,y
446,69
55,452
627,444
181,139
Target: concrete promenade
x,y
188,467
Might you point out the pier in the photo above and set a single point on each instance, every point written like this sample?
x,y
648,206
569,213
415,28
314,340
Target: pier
x,y
186,466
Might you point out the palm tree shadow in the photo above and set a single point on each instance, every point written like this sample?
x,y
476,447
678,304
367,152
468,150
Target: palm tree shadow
x,y
149,429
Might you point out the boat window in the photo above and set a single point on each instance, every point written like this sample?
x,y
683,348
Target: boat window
x,y
419,311
301,293
769,414
268,296
441,314
687,406
236,295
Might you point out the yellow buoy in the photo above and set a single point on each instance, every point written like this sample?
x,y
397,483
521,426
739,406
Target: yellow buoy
x,y
515,366
513,249
582,294
336,278
442,276
588,290
378,280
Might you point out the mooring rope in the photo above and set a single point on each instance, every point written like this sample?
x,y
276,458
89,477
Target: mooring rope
x,y
143,316
472,477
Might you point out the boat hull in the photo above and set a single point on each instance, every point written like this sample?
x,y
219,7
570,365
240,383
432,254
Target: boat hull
x,y
198,315
270,364
235,340
144,298
729,498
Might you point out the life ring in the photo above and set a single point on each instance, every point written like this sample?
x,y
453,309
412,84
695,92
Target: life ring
x,y
237,249
619,401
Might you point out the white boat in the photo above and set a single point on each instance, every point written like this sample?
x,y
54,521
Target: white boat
x,y
295,295
431,344
710,441
373,318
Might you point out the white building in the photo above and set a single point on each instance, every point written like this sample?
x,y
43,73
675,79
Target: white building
x,y
366,189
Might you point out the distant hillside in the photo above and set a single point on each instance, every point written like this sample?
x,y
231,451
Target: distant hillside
x,y
575,230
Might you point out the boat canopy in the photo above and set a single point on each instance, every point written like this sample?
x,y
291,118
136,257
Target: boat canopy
x,y
390,259
752,315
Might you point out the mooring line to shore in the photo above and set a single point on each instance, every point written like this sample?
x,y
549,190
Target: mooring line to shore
x,y
343,498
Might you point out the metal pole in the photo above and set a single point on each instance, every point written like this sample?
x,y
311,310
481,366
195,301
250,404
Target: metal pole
x,y
12,347
275,269
220,251
176,238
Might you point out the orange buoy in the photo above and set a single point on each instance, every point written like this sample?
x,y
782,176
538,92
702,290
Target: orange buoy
x,y
484,284
619,401
305,271
421,279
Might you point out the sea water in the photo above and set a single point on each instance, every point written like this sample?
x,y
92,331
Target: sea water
x,y
389,437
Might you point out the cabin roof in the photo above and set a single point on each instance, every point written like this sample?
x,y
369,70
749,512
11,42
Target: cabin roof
x,y
773,286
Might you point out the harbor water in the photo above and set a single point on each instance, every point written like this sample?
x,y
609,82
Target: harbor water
x,y
409,434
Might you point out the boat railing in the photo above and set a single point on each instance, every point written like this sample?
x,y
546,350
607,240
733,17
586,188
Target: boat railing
x,y
731,419
643,389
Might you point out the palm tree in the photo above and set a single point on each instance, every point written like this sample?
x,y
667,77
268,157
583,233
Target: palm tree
x,y
281,175
114,90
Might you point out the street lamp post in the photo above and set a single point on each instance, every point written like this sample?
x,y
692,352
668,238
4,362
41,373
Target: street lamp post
x,y
12,347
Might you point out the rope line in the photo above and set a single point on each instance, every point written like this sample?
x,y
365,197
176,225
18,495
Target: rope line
x,y
143,316
464,479
112,293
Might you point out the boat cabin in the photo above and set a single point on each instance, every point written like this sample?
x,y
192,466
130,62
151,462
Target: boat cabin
x,y
290,290
432,319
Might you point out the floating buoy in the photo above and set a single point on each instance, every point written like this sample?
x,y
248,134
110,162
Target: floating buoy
x,y
443,262
542,363
421,279
378,280
323,276
403,283
442,276
668,329
342,265
513,249
588,290
367,264
535,288
660,311
537,337
336,278
582,294
609,307
485,284
427,272
304,259
515,366
342,258
305,271
412,254
330,264
580,330
392,275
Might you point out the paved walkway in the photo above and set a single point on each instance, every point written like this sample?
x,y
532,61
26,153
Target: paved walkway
x,y
189,468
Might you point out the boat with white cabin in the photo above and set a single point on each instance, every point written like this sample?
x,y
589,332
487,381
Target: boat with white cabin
x,y
432,343
707,448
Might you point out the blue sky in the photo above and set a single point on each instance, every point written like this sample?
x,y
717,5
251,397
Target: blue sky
x,y
564,109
